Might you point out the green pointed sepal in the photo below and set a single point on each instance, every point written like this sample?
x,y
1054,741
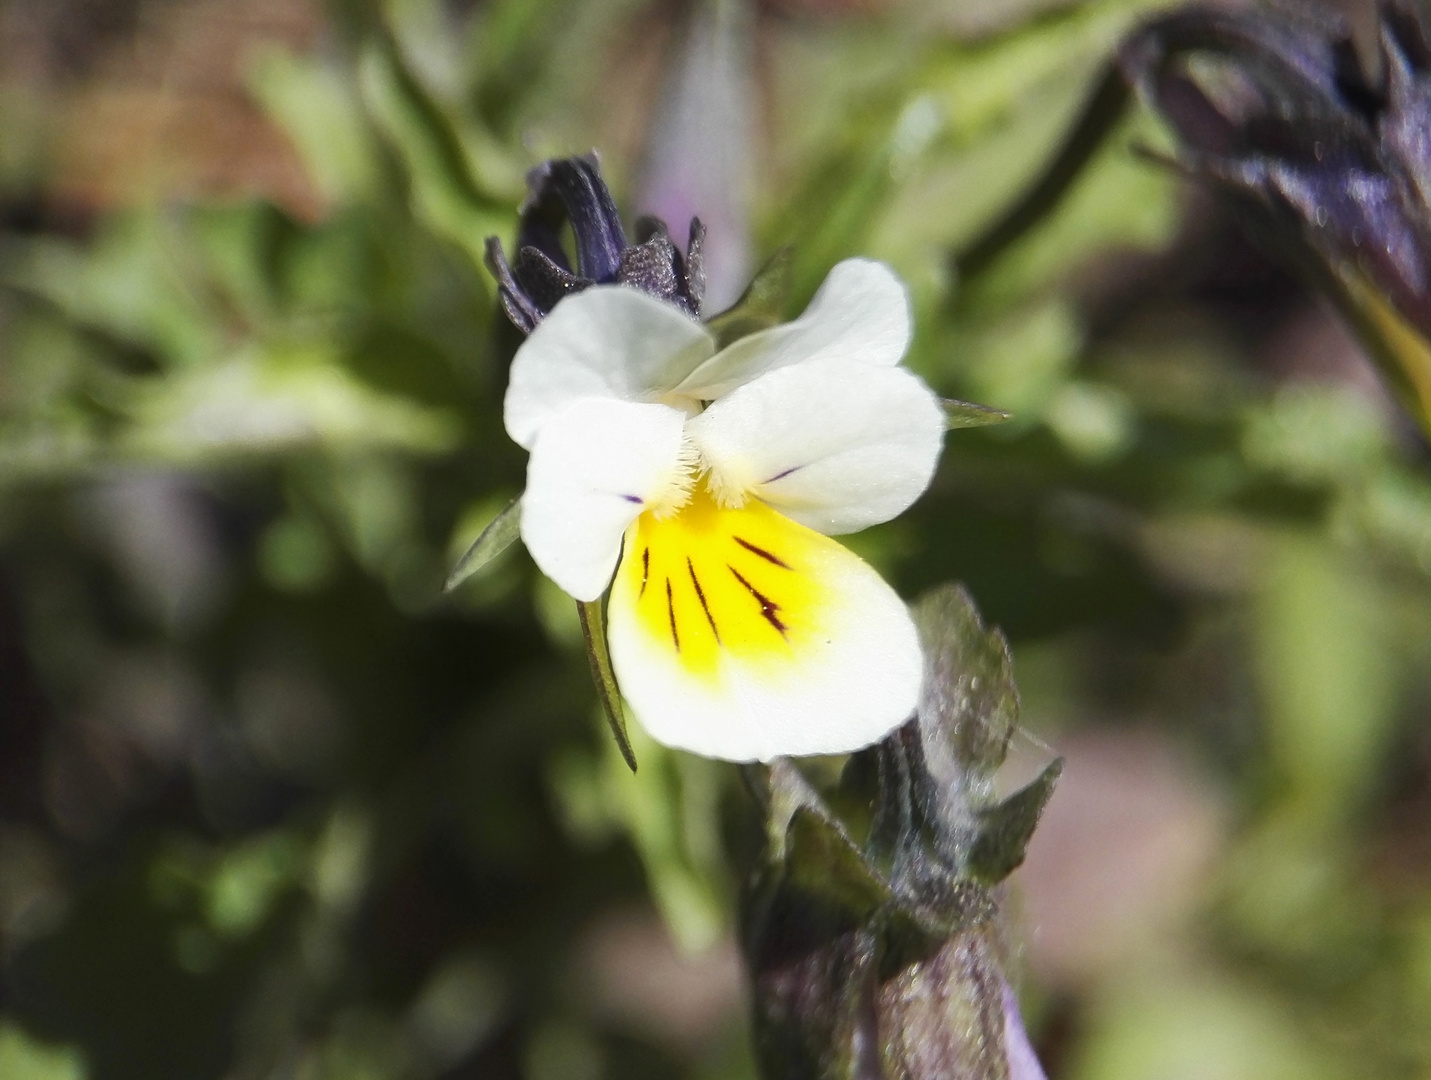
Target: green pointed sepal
x,y
761,306
965,414
970,705
1003,831
496,538
593,629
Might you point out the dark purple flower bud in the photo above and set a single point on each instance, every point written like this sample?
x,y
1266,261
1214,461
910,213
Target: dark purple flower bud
x,y
1326,158
570,191
883,958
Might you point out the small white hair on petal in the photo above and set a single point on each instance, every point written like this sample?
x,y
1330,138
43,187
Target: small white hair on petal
x,y
674,497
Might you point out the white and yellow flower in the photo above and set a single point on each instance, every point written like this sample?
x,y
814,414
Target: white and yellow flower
x,y
702,486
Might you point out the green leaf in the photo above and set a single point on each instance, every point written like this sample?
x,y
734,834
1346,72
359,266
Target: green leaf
x,y
593,628
670,812
838,215
1004,830
1024,359
315,105
969,705
761,306
25,1058
135,280
1116,200
1322,658
265,401
965,414
1099,118
444,191
496,538
811,845
821,859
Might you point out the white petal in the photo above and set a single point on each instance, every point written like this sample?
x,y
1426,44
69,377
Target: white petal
x,y
861,313
741,635
837,446
608,341
594,467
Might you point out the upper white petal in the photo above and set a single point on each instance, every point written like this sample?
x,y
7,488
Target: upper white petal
x,y
836,446
608,341
861,313
595,466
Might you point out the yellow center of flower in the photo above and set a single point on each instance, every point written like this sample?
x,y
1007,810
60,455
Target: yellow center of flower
x,y
713,580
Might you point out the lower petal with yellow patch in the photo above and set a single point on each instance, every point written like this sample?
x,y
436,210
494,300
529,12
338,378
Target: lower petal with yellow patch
x,y
739,634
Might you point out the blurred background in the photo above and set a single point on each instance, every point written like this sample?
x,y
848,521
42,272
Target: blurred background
x,y
271,806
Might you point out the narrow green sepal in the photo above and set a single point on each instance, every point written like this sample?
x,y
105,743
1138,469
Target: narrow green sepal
x,y
761,306
965,414
593,628
496,538
1004,830
822,860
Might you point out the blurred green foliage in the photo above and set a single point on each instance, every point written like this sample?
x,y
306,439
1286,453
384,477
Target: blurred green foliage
x,y
273,805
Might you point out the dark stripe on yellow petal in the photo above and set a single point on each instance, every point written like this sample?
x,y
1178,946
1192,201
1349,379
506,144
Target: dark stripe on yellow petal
x,y
759,591
767,556
671,608
701,596
768,607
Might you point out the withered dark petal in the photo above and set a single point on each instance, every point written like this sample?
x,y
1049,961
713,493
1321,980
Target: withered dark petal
x,y
695,265
574,185
543,219
1407,54
647,226
543,280
1294,61
570,192
654,268
520,309
1327,157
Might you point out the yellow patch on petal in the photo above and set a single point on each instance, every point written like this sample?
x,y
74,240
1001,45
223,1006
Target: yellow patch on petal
x,y
713,581
739,634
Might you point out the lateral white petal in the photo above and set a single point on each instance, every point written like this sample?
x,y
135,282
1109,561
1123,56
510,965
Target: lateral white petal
x,y
861,313
837,445
595,466
608,341
745,636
